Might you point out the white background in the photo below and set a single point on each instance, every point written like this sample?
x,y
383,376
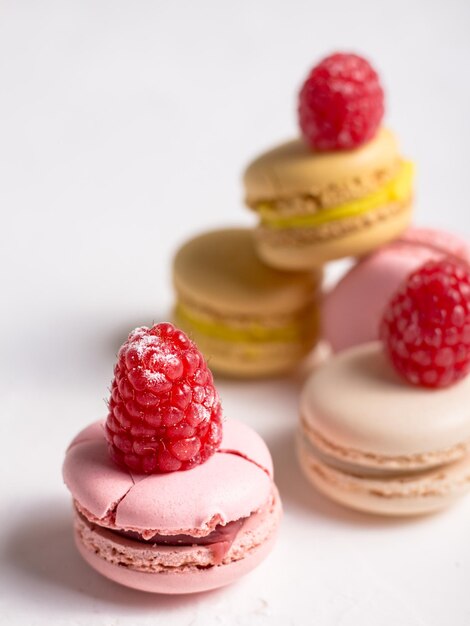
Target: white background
x,y
124,128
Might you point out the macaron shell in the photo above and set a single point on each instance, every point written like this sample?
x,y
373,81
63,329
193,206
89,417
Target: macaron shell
x,y
94,480
238,438
366,289
220,271
295,253
364,292
357,401
440,241
243,359
414,494
191,581
224,488
90,433
295,169
194,500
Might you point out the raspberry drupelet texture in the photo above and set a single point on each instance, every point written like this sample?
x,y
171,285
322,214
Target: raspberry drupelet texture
x,y
426,326
341,104
164,411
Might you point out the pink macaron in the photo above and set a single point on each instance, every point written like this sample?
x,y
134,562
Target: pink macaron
x,y
352,310
179,532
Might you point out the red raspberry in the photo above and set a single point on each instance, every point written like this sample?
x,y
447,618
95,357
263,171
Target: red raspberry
x,y
341,104
164,411
426,327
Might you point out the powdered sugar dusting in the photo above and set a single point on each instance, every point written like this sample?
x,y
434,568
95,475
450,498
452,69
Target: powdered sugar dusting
x,y
154,377
140,340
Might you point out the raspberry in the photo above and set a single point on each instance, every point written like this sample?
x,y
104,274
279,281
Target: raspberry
x,y
426,326
341,104
164,411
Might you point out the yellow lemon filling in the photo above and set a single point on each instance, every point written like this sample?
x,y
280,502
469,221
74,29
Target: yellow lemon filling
x,y
252,333
396,190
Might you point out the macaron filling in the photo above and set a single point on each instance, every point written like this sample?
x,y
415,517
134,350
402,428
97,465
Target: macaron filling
x,y
428,487
370,465
250,330
220,540
162,552
397,190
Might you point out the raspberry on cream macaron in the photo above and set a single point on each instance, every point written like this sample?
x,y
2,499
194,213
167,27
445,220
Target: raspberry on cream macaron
x,y
167,497
385,428
343,188
426,326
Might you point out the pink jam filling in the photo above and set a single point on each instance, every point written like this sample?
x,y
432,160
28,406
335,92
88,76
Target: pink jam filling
x,y
220,540
221,533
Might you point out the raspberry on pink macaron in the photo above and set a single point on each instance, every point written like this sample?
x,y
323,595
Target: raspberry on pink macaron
x,y
167,498
164,411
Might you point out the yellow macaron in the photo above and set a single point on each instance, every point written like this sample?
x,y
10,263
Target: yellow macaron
x,y
316,206
249,320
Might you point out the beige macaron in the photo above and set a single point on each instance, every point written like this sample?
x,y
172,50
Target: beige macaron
x,y
249,320
371,442
314,207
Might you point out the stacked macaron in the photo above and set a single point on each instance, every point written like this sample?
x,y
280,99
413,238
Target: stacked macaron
x,y
343,188
388,442
396,439
251,320
167,498
250,297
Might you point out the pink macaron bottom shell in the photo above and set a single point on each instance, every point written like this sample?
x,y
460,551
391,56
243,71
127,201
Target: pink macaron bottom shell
x,y
179,569
178,582
352,310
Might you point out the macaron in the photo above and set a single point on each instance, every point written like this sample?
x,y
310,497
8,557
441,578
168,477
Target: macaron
x,y
352,309
315,206
373,443
177,532
249,319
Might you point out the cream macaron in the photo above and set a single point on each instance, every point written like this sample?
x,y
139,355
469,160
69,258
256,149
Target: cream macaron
x,y
371,442
316,206
248,319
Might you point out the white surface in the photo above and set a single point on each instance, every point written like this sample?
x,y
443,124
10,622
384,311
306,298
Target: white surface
x,y
124,127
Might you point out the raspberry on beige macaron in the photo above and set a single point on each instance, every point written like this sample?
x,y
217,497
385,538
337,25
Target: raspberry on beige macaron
x,y
342,189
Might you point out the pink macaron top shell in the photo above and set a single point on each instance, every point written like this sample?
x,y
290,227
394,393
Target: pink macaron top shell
x,y
353,309
232,484
238,438
442,242
92,432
